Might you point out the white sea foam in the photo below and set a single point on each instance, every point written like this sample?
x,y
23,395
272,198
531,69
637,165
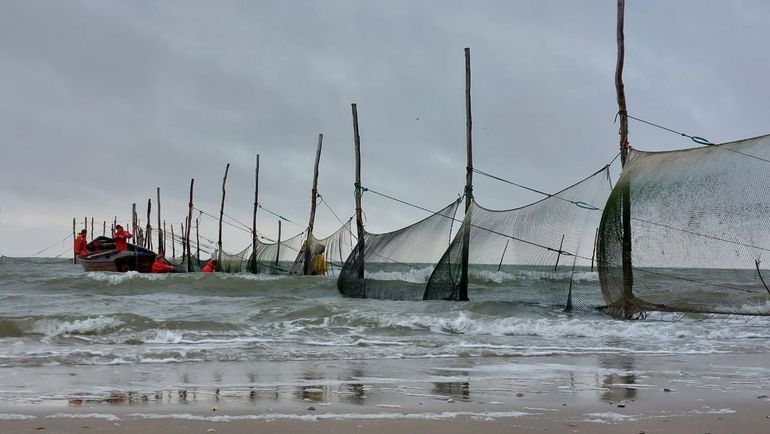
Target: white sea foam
x,y
526,275
118,278
415,275
609,417
105,416
11,416
93,325
334,416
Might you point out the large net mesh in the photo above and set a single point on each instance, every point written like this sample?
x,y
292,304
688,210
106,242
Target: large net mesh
x,y
336,249
397,264
185,264
233,262
275,257
698,221
539,253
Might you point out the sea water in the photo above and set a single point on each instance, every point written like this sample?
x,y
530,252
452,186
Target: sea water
x,y
68,334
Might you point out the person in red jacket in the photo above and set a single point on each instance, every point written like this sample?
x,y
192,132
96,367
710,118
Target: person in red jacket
x,y
120,238
161,266
210,266
80,244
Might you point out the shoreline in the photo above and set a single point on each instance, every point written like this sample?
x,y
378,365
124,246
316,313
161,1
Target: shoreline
x,y
654,393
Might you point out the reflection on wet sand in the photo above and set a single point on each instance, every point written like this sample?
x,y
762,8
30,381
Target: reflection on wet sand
x,y
613,388
454,390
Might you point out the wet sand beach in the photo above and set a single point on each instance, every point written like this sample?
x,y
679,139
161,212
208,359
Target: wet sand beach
x,y
608,394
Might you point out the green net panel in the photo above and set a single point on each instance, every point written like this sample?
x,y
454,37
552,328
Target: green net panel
x,y
699,218
397,264
514,255
233,262
274,258
337,248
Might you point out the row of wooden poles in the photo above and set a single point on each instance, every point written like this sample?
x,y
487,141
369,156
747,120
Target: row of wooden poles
x,y
463,290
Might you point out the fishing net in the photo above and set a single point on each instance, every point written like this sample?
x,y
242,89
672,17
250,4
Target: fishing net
x,y
698,222
397,264
539,253
186,264
233,262
336,249
276,257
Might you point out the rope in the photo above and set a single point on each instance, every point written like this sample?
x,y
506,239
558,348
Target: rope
x,y
696,139
55,244
279,216
531,243
579,204
701,235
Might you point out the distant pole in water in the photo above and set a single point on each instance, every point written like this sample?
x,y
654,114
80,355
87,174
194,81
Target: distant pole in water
x,y
165,234
133,219
313,199
558,254
74,235
161,245
221,213
628,276
148,229
114,224
278,249
92,228
104,228
358,193
253,261
197,242
593,254
463,289
189,223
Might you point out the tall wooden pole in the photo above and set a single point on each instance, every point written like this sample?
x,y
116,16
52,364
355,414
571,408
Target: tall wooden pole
x,y
463,289
313,199
278,247
254,219
148,229
161,245
104,228
92,228
628,276
221,213
74,235
164,236
358,194
189,223
197,242
173,244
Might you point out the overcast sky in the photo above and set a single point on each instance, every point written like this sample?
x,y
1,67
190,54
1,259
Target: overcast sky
x,y
103,101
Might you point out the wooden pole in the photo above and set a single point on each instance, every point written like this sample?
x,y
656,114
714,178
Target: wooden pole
x,y
628,277
104,228
182,238
278,249
463,289
161,244
358,194
254,219
74,235
313,199
92,228
148,229
114,224
197,242
189,223
221,213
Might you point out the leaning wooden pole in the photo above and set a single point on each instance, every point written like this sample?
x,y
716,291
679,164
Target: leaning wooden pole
x,y
628,276
358,194
253,261
197,242
278,246
74,235
313,199
189,223
221,214
463,289
148,229
161,245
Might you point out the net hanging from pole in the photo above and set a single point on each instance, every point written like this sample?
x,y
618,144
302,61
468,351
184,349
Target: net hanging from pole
x,y
700,218
531,254
397,264
336,249
275,258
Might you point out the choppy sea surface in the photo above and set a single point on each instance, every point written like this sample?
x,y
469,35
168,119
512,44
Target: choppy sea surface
x,y
65,332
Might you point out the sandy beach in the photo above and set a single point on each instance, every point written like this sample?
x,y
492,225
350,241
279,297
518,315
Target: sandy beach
x,y
611,394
